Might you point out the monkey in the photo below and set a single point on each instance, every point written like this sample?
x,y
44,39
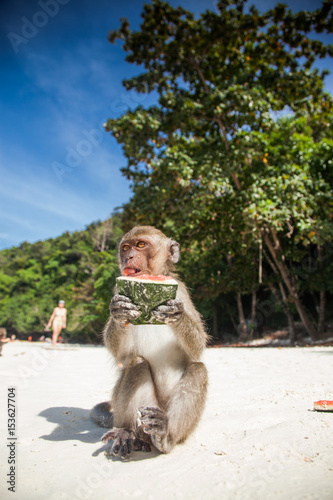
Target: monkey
x,y
161,391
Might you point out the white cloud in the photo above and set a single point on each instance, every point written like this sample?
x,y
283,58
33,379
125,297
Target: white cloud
x,y
16,219
72,76
49,197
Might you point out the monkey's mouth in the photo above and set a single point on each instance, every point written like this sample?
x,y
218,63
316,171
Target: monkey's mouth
x,y
131,271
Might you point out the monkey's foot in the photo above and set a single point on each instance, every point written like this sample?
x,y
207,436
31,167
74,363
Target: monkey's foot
x,y
124,442
140,445
152,420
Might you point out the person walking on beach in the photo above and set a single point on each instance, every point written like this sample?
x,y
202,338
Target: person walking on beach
x,y
58,317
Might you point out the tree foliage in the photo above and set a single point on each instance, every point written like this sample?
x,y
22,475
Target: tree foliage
x,y
211,162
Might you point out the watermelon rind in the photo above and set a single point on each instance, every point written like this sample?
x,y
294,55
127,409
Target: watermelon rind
x,y
323,405
148,294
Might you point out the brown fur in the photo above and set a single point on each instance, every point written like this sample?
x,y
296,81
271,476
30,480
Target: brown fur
x,y
161,391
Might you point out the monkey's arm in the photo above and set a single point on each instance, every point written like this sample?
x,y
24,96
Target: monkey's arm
x,y
182,316
122,310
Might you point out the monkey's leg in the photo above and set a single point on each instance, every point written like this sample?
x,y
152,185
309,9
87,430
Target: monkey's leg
x,y
134,388
183,412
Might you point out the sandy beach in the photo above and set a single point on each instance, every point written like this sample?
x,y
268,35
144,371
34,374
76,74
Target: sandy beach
x,y
259,437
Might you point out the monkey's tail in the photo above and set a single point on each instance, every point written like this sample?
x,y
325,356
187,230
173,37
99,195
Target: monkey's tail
x,y
102,415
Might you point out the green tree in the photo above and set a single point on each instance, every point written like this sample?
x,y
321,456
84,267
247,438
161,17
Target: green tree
x,y
79,267
206,161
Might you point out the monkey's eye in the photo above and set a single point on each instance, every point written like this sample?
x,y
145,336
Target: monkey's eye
x,y
125,248
141,244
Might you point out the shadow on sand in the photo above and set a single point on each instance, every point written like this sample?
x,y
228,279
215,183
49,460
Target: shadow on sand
x,y
76,424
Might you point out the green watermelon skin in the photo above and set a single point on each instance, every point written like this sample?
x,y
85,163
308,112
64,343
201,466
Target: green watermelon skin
x,y
148,295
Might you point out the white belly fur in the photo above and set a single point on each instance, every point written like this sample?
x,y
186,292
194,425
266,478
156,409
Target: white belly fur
x,y
158,345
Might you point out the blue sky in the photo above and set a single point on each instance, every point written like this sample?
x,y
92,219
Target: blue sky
x,y
60,81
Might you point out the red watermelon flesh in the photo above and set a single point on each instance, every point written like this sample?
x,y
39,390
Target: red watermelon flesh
x,y
323,405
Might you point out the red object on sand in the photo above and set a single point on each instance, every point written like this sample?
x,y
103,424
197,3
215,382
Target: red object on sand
x,y
323,405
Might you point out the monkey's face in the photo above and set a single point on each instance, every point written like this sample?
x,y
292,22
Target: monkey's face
x,y
141,256
146,250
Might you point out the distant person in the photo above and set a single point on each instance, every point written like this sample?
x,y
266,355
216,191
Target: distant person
x,y
3,338
58,317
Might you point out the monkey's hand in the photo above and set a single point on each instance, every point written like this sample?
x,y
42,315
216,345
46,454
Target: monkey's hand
x,y
169,313
123,310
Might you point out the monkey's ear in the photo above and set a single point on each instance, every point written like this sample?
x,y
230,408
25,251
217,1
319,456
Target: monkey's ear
x,y
174,251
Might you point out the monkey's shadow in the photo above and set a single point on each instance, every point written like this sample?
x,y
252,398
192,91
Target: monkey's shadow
x,y
76,424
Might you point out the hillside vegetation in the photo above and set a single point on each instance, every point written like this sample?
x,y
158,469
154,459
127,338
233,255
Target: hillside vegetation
x,y
78,267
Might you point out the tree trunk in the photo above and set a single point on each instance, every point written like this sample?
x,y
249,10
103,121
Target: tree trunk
x,y
282,299
234,324
275,250
215,322
103,240
242,322
285,305
322,303
253,312
322,306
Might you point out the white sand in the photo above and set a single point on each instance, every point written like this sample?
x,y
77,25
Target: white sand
x,y
258,438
